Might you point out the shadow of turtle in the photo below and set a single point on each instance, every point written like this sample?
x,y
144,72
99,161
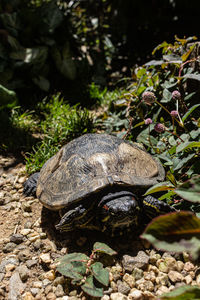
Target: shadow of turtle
x,y
83,240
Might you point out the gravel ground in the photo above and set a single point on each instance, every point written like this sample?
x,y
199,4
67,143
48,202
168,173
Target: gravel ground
x,y
29,246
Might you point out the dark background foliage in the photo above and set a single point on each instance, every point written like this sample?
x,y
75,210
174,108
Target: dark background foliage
x,y
48,46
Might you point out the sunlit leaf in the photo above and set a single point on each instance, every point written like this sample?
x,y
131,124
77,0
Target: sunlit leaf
x,y
187,145
100,273
103,248
163,186
191,109
89,288
190,190
177,231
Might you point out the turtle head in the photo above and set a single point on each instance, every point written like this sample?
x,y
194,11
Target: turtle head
x,y
118,210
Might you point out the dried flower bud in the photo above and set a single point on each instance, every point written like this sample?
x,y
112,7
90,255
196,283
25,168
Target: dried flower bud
x,y
174,113
176,95
148,121
159,127
148,97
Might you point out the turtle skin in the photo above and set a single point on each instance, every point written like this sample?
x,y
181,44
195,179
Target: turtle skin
x,y
94,179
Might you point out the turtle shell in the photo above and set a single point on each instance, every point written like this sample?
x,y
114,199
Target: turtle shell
x,y
91,163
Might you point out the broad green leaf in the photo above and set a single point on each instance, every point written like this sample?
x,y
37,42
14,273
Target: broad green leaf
x,y
163,186
187,145
89,288
192,76
103,248
177,231
191,109
168,195
75,256
186,292
190,190
100,273
183,161
72,270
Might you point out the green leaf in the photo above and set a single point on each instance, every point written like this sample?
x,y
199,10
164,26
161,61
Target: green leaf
x,y
177,231
163,186
189,112
103,248
101,274
73,265
89,288
73,270
190,190
186,54
75,256
183,161
187,145
192,76
182,293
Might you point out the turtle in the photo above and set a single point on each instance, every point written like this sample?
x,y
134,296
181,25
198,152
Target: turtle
x,y
96,181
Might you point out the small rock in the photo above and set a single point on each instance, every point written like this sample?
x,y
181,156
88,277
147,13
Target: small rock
x,y
10,267
31,263
23,272
34,291
59,291
45,258
25,231
161,290
28,225
188,279
24,255
188,266
162,279
162,267
154,257
129,279
198,279
46,282
137,273
59,280
9,247
180,265
28,296
16,287
115,272
150,276
135,295
105,297
51,296
140,261
171,263
38,244
175,276
12,259
123,287
21,179
144,285
118,296
37,284
17,238
50,275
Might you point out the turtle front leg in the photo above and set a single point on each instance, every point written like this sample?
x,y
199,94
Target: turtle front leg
x,y
30,185
79,217
154,207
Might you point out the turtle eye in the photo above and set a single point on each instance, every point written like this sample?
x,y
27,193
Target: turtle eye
x,y
106,207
